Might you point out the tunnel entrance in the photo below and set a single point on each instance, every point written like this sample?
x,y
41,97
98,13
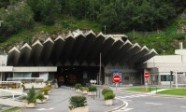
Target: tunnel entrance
x,y
70,75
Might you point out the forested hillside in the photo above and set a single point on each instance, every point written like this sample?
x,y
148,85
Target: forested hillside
x,y
149,22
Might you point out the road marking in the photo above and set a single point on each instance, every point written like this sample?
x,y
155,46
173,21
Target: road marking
x,y
123,110
132,96
127,109
41,109
183,106
128,100
153,103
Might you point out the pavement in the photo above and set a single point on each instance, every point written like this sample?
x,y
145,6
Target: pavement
x,y
4,107
59,102
143,102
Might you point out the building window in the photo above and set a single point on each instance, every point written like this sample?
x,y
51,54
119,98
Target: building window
x,y
35,74
180,73
166,78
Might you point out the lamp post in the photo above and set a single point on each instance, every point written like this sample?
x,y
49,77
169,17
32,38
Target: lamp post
x,y
105,29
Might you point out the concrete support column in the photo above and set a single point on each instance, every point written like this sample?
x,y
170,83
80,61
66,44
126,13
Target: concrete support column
x,y
1,76
107,80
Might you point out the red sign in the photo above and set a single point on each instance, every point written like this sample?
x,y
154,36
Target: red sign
x,y
116,78
146,75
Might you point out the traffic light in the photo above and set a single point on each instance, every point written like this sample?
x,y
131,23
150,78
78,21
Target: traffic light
x,y
171,75
171,78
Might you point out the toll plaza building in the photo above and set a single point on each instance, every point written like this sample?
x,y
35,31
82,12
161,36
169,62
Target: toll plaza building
x,y
77,58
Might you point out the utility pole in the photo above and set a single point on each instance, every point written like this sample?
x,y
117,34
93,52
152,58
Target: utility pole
x,y
105,29
99,79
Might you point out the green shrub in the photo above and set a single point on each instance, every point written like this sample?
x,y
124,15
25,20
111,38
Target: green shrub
x,y
92,88
45,11
109,95
78,86
40,96
45,90
84,89
31,95
106,90
77,101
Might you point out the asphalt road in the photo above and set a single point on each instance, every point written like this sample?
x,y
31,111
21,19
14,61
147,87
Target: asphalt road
x,y
141,102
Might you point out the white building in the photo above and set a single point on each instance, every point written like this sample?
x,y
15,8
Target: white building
x,y
160,68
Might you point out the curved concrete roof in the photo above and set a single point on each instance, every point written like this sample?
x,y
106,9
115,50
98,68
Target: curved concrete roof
x,y
80,49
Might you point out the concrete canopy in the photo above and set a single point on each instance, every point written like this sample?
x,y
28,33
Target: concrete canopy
x,y
80,49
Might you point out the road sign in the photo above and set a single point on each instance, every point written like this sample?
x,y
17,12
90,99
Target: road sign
x,y
116,78
146,75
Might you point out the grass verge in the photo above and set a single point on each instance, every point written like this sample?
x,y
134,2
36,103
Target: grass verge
x,y
14,109
179,92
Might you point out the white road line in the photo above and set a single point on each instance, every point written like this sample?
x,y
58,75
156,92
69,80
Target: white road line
x,y
128,100
153,103
132,96
183,106
123,109
43,109
127,109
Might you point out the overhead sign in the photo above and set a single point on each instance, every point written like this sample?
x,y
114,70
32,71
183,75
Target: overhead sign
x,y
146,75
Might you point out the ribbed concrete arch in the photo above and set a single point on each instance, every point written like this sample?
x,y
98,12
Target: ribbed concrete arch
x,y
123,51
13,56
57,50
47,49
92,46
147,56
135,48
25,54
36,53
106,47
90,38
69,43
138,55
80,48
114,50
94,56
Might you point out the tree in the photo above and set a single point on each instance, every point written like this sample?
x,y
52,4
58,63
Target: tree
x,y
45,10
15,18
141,15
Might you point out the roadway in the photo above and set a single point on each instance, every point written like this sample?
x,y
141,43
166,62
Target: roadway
x,y
142,102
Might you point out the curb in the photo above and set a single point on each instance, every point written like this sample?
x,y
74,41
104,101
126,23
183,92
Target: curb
x,y
173,96
124,104
159,95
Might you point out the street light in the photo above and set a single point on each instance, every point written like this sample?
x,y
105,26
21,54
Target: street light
x,y
105,29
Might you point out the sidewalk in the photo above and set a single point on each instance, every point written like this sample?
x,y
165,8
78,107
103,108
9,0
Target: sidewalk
x,y
59,102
